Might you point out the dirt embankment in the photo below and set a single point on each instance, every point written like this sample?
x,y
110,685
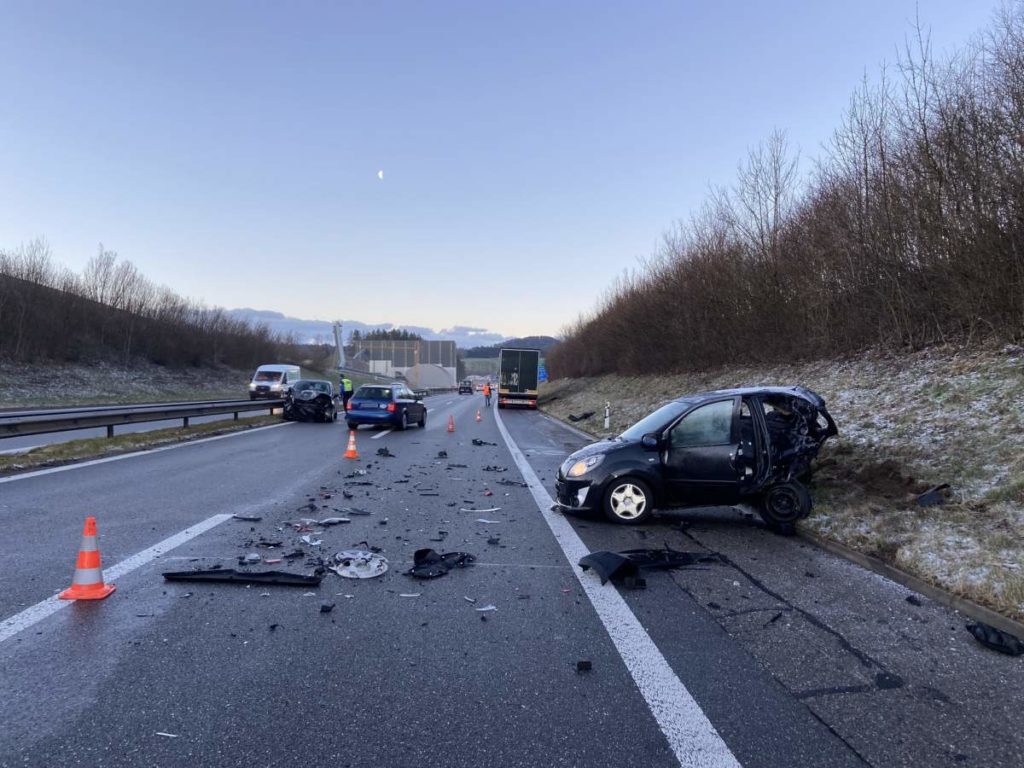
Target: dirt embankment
x,y
25,385
906,422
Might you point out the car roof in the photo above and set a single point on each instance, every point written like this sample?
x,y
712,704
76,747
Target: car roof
x,y
802,392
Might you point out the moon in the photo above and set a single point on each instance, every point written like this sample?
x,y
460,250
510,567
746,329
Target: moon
x,y
380,175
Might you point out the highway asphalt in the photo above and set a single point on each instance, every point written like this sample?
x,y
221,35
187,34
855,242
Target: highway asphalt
x,y
777,654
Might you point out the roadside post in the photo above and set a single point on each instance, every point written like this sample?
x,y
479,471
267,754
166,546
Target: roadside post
x,y
607,415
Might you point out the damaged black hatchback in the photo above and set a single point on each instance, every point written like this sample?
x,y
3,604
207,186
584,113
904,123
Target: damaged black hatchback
x,y
311,400
751,445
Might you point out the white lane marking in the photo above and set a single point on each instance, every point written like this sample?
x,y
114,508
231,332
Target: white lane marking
x,y
10,451
123,456
379,435
36,613
690,734
449,402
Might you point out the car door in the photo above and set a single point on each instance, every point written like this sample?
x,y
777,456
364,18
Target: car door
x,y
699,458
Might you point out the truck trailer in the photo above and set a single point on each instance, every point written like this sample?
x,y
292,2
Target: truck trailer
x,y
517,377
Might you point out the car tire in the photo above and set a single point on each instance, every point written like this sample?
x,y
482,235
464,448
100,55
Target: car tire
x,y
783,504
351,426
628,501
403,423
423,419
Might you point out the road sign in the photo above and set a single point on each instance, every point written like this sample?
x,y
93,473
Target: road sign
x,y
542,373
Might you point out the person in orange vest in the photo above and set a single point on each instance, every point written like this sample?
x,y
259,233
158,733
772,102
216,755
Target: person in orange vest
x,y
487,394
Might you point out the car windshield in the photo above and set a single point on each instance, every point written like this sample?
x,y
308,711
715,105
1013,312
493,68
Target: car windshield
x,y
267,376
317,386
656,421
374,393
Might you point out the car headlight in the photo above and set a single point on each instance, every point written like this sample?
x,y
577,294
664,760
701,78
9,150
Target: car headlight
x,y
252,385
583,466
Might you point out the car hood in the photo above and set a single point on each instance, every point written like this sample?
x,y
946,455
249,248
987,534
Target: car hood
x,y
607,446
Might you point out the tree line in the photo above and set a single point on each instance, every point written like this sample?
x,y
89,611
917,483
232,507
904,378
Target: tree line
x,y
908,231
111,312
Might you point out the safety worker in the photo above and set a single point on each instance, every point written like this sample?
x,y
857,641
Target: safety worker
x,y
487,394
346,391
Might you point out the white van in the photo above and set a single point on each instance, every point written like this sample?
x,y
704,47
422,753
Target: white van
x,y
273,381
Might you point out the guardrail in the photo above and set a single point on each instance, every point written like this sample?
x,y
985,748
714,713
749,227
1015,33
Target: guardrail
x,y
39,422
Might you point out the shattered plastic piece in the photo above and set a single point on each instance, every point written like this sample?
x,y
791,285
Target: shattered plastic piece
x,y
469,599
582,417
385,452
488,493
250,559
487,609
359,564
307,539
168,735
936,496
248,518
280,578
294,554
996,639
428,564
355,511
494,541
411,594
334,520
442,454
274,561
495,468
490,522
481,511
628,564
479,442
584,666
326,607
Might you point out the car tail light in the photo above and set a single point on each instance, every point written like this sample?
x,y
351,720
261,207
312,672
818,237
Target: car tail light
x,y
391,407
348,406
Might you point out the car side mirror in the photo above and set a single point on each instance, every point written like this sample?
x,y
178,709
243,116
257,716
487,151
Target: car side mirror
x,y
650,442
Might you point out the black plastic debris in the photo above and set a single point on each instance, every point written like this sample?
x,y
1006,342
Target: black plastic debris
x,y
385,453
914,600
279,578
478,442
248,518
626,567
505,481
996,639
428,564
326,607
294,554
584,666
457,466
495,468
442,454
936,496
355,511
582,417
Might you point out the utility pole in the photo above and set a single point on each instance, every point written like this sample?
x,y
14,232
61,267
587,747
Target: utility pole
x,y
338,346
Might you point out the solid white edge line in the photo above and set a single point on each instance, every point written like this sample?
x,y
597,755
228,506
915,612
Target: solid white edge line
x,y
691,736
33,614
122,456
379,435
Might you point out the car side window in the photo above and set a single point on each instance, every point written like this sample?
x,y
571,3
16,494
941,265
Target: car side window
x,y
709,424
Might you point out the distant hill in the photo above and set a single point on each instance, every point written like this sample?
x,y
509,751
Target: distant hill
x,y
543,343
320,331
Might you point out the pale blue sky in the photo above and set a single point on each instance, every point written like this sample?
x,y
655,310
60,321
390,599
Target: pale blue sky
x,y
531,150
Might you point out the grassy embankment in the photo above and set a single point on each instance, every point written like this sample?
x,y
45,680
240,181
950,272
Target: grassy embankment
x,y
906,422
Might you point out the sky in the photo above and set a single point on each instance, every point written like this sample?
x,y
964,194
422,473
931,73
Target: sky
x,y
531,150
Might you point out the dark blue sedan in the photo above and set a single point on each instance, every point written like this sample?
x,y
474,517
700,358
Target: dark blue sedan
x,y
389,405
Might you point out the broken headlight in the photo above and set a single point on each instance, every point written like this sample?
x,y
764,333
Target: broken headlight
x,y
583,466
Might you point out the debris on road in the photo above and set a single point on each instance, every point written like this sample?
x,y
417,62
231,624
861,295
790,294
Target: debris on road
x,y
411,594
469,599
334,521
628,565
307,539
250,559
936,496
914,600
506,481
428,564
487,609
442,454
584,666
279,578
247,518
385,453
355,511
326,607
582,417
996,639
168,735
479,511
488,493
478,442
359,564
495,468
487,522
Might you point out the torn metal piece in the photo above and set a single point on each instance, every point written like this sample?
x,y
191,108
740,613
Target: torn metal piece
x,y
280,578
996,639
359,564
936,496
428,564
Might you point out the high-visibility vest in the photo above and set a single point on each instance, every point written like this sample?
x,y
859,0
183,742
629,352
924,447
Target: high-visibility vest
x,y
346,385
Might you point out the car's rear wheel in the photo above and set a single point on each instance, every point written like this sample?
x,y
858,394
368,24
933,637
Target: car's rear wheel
x,y
783,504
403,423
351,426
628,501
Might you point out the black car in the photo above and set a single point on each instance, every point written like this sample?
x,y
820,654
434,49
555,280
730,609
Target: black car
x,y
311,400
466,387
748,445
393,405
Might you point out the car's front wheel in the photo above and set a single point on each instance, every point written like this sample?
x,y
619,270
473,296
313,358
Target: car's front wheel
x,y
423,419
628,501
783,504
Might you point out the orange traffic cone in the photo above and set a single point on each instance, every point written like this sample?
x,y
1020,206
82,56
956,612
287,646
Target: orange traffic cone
x,y
478,415
351,452
87,583
451,423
